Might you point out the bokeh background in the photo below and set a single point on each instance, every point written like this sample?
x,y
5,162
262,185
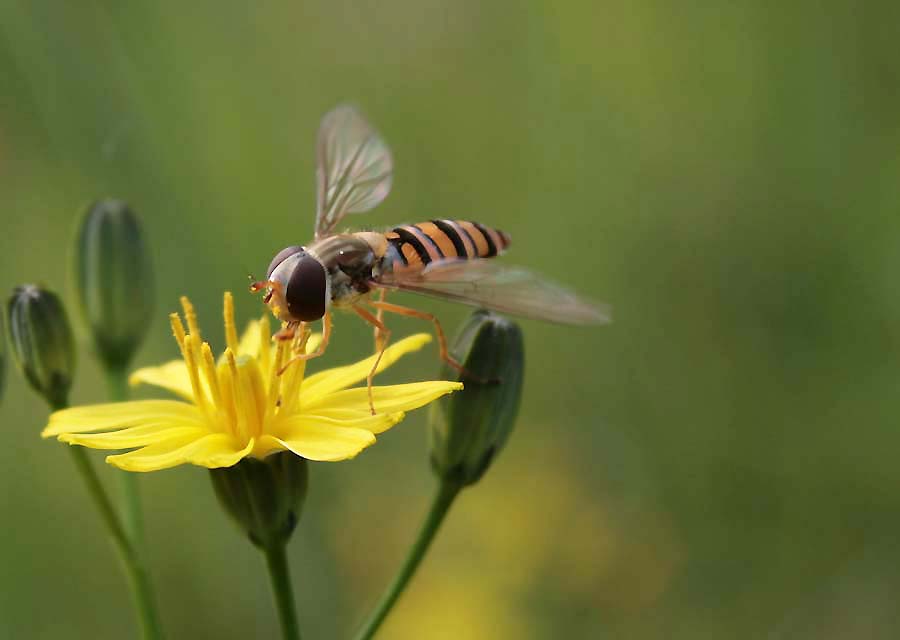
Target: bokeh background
x,y
721,462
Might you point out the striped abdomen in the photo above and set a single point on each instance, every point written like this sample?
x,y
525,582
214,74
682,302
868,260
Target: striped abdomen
x,y
425,242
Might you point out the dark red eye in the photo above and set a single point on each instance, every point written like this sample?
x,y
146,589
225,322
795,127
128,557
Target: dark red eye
x,y
307,290
280,257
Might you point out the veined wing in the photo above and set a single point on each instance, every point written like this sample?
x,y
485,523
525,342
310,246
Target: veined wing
x,y
507,289
354,168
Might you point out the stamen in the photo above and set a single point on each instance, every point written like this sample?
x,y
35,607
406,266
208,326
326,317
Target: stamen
x,y
177,330
231,338
252,383
242,429
275,380
226,387
303,338
209,370
190,359
294,374
191,317
265,342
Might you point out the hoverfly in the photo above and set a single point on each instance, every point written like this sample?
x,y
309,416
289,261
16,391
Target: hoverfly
x,y
448,259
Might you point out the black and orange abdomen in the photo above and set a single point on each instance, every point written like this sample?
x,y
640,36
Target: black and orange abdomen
x,y
426,242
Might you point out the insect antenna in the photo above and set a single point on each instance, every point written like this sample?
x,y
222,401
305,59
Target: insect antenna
x,y
255,285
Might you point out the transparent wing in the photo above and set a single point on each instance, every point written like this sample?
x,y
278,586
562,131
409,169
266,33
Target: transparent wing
x,y
354,168
507,289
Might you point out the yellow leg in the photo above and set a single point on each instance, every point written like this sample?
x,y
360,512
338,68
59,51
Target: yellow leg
x,y
301,342
385,334
379,337
438,329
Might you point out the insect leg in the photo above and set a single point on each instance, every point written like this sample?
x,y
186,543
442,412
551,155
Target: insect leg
x,y
326,336
287,332
385,333
438,329
379,338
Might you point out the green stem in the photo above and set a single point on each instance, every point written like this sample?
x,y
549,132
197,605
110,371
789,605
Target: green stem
x,y
117,390
446,493
280,576
134,568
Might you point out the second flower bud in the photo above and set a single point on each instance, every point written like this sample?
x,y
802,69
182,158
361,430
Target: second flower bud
x,y
114,281
470,427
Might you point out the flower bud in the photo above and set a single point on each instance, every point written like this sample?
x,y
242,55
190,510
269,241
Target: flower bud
x,y
263,497
41,342
114,281
2,358
469,427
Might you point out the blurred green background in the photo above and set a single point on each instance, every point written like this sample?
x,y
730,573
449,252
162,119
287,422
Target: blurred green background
x,y
720,462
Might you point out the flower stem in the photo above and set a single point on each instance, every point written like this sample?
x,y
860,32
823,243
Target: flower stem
x,y
134,569
280,576
443,499
117,390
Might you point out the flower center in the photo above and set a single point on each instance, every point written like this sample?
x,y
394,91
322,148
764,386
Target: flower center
x,y
243,392
243,405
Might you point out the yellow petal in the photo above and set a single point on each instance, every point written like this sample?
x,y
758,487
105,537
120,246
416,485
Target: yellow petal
x,y
133,437
171,376
387,399
249,344
330,380
160,455
266,444
298,424
327,443
210,450
118,415
220,450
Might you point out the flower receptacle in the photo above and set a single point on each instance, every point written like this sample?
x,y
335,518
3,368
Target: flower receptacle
x,y
469,428
264,497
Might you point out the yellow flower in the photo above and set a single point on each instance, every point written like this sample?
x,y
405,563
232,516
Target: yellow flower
x,y
241,406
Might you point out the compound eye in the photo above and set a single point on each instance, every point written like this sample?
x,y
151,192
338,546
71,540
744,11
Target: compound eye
x,y
280,257
307,290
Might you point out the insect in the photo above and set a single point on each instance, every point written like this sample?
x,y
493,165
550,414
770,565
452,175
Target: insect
x,y
448,259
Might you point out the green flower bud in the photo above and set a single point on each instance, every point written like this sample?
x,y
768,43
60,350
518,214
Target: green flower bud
x,y
469,427
41,342
263,497
2,358
114,281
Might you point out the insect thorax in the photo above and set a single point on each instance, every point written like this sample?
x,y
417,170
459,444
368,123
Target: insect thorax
x,y
348,260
